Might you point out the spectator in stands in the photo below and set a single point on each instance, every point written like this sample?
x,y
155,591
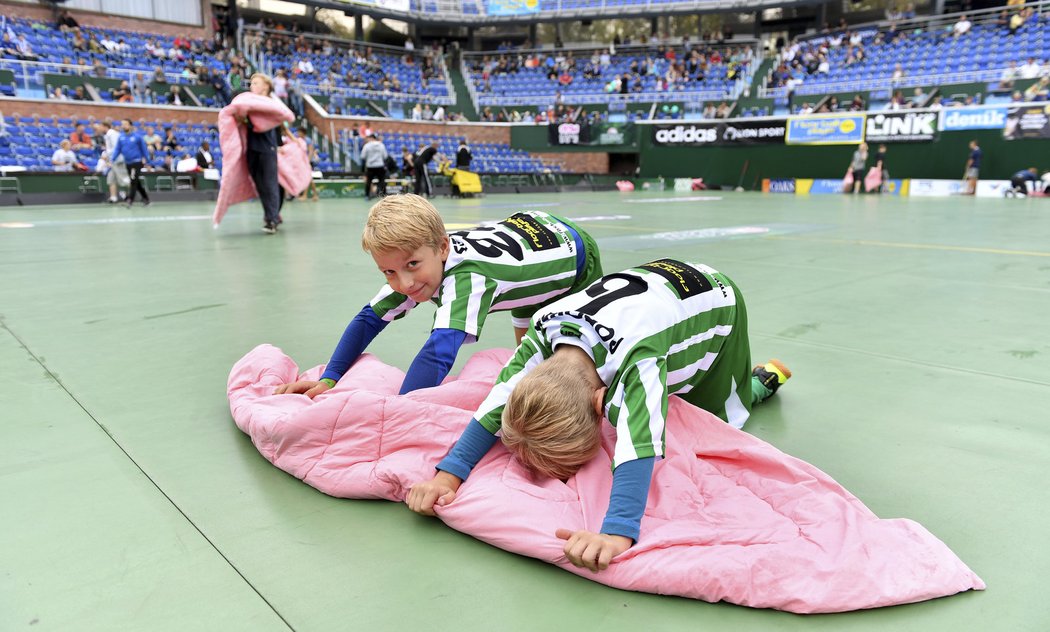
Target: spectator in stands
x,y
79,43
79,94
171,142
973,168
935,104
66,21
99,69
80,139
1030,69
428,115
373,156
898,75
420,161
439,113
159,76
280,86
132,149
154,142
235,80
1007,76
25,51
918,98
961,27
63,159
222,90
857,105
175,95
140,89
204,159
58,94
858,166
123,93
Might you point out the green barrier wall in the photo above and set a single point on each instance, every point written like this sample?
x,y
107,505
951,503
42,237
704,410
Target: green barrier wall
x,y
942,159
534,138
71,183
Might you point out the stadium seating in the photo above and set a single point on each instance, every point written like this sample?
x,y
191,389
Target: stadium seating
x,y
56,47
390,66
925,59
532,86
488,157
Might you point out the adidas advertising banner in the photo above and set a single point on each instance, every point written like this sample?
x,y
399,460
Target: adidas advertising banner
x,y
983,117
1028,121
902,127
764,132
568,134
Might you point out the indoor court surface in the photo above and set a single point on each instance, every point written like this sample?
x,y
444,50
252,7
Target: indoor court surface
x,y
915,329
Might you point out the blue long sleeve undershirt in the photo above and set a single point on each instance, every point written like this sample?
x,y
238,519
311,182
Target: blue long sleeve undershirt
x,y
361,331
630,488
434,360
430,366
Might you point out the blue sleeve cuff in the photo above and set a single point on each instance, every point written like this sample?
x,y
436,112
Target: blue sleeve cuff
x,y
630,491
361,331
434,360
473,444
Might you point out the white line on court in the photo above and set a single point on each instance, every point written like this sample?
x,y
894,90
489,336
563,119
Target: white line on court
x,y
104,220
691,198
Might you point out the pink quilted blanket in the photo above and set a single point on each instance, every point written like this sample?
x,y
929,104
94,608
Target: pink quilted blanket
x,y
729,517
293,164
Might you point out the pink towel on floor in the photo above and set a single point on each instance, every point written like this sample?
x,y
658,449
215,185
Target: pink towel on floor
x,y
729,517
293,164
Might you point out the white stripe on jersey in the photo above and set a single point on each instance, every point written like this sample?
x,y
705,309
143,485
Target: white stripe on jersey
x,y
688,371
477,290
529,300
394,313
717,330
655,396
443,315
736,414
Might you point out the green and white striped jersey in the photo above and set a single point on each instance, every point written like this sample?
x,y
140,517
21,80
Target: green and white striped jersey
x,y
517,264
652,331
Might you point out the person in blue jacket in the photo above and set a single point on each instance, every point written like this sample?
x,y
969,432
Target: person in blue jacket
x,y
131,146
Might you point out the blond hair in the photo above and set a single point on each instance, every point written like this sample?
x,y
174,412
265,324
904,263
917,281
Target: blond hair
x,y
403,222
549,422
266,79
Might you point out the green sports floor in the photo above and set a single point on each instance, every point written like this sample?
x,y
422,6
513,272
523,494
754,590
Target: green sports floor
x,y
916,330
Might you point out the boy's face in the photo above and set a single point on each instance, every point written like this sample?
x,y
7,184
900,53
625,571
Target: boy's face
x,y
415,274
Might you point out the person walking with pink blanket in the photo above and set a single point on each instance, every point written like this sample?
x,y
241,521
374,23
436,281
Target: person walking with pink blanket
x,y
617,349
257,160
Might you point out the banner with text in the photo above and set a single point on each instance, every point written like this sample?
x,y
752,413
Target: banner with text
x,y
1028,121
764,132
983,117
913,126
826,129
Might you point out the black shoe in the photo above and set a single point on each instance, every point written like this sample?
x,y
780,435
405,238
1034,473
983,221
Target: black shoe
x,y
270,229
280,220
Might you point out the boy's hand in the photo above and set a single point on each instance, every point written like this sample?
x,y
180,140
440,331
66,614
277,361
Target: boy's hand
x,y
592,550
307,387
440,491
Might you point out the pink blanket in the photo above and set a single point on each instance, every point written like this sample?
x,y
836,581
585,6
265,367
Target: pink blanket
x,y
293,164
729,517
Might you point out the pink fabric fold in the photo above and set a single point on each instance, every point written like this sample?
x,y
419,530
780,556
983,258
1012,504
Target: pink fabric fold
x,y
729,517
293,164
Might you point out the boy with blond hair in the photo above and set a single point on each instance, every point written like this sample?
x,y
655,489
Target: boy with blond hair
x,y
519,264
618,348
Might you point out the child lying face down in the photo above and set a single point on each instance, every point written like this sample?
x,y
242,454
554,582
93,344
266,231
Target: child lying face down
x,y
617,349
